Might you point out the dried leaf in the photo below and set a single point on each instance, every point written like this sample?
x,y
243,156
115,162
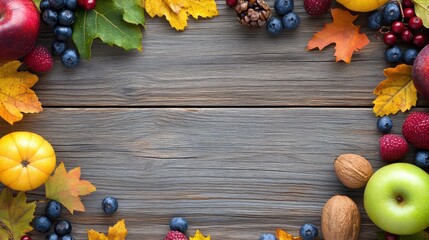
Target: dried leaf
x,y
199,236
15,215
283,235
343,33
15,93
422,11
396,92
117,232
177,11
67,188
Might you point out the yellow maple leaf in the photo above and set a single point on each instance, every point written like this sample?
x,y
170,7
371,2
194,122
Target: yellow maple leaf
x,y
283,235
396,92
16,97
199,236
117,232
177,11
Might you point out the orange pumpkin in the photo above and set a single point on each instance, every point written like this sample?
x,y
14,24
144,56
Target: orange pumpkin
x,y
26,160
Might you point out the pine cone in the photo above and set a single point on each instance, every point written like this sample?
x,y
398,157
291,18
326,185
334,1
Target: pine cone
x,y
253,13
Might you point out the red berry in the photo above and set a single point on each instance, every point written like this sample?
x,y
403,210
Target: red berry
x,y
389,39
416,129
87,4
407,3
25,237
407,35
317,7
231,3
39,59
419,40
415,23
175,235
392,147
398,27
409,13
390,236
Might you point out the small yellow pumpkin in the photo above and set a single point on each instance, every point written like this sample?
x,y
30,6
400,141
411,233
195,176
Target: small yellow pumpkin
x,y
26,160
362,5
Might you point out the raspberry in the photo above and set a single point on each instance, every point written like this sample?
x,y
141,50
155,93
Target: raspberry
x,y
392,147
416,129
39,59
175,235
316,7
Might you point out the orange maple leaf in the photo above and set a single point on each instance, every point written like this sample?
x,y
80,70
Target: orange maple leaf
x,y
67,188
343,33
283,235
117,232
396,93
15,93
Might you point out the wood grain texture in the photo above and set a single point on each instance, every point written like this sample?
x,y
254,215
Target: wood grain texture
x,y
234,173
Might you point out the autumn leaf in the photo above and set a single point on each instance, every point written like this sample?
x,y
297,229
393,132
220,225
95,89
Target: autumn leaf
x,y
343,33
283,235
177,11
199,236
67,188
422,11
16,97
396,92
15,215
117,232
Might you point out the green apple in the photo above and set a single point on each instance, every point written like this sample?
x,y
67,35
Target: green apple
x,y
396,199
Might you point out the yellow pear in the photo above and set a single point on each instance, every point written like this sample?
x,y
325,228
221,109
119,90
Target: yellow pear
x,y
362,5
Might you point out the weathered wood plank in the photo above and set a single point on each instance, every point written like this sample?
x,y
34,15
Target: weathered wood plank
x,y
218,62
234,173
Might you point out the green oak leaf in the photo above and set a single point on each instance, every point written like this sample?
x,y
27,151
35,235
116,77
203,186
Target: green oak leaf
x,y
106,22
133,12
422,10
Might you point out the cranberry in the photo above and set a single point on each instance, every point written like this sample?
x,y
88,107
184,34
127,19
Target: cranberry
x,y
87,4
407,3
397,27
415,23
231,3
407,35
25,237
409,13
390,236
389,38
419,40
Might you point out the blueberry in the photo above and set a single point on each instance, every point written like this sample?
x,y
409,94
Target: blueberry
x,y
66,17
393,54
44,4
58,47
290,21
410,55
71,4
52,236
391,12
62,227
57,4
375,20
110,205
50,17
179,224
42,224
63,32
267,236
70,58
53,209
67,237
274,25
422,159
283,7
308,231
384,124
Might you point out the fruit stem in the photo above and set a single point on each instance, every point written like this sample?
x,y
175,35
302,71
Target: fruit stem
x,y
399,199
25,163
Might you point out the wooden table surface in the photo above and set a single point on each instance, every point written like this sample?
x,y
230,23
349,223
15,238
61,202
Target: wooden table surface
x,y
234,129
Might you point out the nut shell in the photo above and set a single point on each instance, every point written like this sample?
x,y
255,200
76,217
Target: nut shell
x,y
353,170
340,219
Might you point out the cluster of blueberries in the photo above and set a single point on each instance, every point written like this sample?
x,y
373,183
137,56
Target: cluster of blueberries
x,y
307,232
288,19
59,14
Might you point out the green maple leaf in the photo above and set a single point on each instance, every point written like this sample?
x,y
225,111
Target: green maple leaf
x,y
422,11
133,11
15,215
106,21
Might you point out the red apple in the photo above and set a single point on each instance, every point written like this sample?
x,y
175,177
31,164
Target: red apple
x,y
421,72
19,28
